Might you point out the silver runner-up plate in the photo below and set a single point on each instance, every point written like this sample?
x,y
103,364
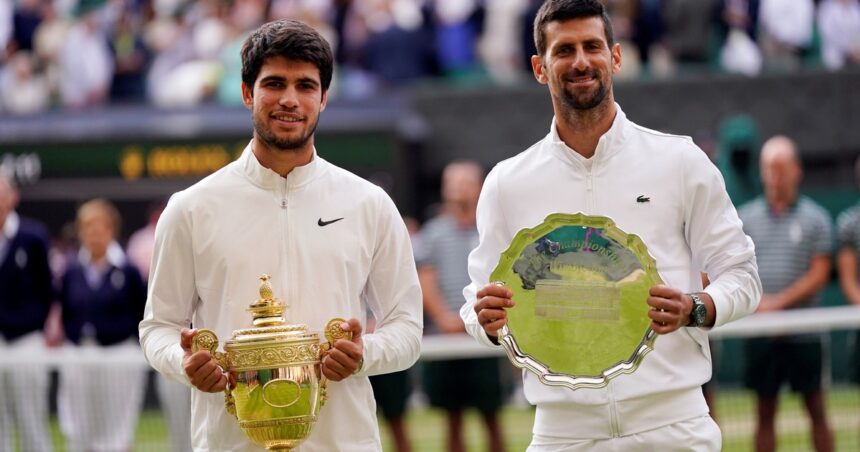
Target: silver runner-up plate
x,y
580,287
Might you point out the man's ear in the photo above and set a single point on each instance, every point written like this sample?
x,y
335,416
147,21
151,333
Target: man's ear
x,y
324,100
616,58
248,96
539,69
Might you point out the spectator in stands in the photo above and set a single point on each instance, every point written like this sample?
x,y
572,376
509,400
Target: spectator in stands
x,y
28,15
785,32
22,89
848,262
399,49
648,30
335,241
102,297
527,40
839,25
25,298
793,241
738,14
185,69
595,160
689,30
738,30
175,398
499,44
458,25
48,43
130,57
86,66
238,24
6,13
455,385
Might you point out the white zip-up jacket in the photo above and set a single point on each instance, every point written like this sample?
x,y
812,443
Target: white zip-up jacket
x,y
689,226
217,237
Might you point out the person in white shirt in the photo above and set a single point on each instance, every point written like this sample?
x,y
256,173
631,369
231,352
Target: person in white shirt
x,y
86,64
334,244
785,31
662,188
839,25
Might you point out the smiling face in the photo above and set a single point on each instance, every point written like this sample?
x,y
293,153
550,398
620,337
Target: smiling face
x,y
578,64
285,101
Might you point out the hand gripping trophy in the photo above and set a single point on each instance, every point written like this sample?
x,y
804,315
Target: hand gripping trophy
x,y
279,387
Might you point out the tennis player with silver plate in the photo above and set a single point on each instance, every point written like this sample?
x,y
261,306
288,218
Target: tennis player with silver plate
x,y
579,282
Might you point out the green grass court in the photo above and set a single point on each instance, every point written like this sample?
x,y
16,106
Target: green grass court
x,y
736,410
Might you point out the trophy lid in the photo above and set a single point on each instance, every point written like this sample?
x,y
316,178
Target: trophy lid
x,y
269,321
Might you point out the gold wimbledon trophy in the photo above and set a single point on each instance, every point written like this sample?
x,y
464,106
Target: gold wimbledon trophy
x,y
279,387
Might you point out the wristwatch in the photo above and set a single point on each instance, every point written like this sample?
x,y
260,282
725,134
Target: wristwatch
x,y
699,313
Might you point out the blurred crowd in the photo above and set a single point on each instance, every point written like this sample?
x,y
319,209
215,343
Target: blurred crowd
x,y
77,54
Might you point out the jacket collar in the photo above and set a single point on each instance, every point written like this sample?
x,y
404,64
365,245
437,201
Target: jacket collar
x,y
608,145
265,178
115,256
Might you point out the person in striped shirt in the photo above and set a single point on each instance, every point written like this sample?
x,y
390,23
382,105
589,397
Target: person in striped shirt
x,y
793,241
848,227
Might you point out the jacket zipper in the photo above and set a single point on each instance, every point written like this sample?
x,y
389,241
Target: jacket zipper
x,y
613,413
589,189
285,282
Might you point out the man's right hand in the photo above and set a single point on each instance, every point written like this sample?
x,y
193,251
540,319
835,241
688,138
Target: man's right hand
x,y
490,308
202,369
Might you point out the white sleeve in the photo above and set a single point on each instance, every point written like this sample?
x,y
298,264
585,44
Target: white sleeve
x,y
172,293
717,241
393,295
482,260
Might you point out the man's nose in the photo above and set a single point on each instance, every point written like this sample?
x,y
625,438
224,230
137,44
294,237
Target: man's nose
x,y
580,60
289,98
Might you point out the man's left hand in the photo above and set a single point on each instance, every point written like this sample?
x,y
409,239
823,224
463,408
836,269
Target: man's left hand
x,y
670,309
346,355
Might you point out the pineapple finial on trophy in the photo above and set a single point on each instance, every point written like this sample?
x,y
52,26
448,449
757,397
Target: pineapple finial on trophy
x,y
265,287
268,310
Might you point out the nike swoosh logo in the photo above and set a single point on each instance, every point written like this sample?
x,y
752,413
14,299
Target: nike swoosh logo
x,y
320,222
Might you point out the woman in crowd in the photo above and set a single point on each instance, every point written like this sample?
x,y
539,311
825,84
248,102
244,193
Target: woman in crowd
x,y
102,297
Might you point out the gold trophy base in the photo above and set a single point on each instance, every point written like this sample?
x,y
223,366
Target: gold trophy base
x,y
271,433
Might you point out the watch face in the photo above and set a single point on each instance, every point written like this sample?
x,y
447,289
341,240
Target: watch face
x,y
699,314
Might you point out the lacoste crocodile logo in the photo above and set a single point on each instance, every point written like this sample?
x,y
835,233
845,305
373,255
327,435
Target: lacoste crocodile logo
x,y
322,223
642,199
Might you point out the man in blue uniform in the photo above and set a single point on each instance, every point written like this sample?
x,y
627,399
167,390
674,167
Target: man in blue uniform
x,y
25,285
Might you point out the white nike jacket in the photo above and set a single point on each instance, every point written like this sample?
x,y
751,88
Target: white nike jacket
x,y
330,240
689,226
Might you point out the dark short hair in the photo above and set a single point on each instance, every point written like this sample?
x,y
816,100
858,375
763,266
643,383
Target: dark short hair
x,y
561,10
288,38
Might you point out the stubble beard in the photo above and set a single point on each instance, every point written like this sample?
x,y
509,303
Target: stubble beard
x,y
272,141
585,101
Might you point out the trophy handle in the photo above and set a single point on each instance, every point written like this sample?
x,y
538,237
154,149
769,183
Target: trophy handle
x,y
332,332
206,339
